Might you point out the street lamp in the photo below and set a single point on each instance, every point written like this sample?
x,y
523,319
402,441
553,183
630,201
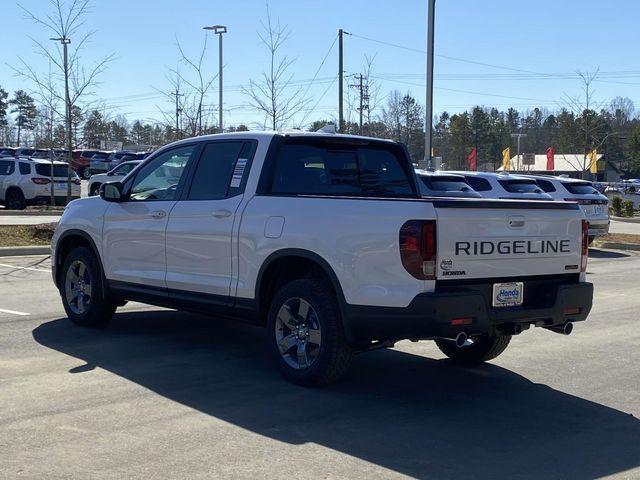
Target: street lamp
x,y
219,30
65,41
428,110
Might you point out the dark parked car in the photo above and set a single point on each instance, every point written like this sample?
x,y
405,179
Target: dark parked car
x,y
7,152
82,161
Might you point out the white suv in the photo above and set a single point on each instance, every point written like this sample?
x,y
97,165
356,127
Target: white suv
x,y
593,204
115,175
504,186
25,181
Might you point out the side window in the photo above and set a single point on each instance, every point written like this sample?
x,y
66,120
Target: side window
x,y
212,179
381,173
160,179
7,167
478,184
546,185
25,168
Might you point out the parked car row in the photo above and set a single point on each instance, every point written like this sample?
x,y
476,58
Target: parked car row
x,y
84,162
27,181
505,186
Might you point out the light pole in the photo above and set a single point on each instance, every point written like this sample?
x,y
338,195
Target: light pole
x,y
428,107
219,30
67,108
518,136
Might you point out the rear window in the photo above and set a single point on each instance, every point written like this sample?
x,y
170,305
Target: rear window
x,y
520,186
45,170
323,168
578,188
546,186
445,184
478,184
100,156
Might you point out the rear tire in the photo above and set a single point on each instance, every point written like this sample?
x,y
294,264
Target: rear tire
x,y
81,289
14,200
305,332
86,174
478,349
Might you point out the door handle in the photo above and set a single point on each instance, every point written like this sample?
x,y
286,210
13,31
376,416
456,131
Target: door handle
x,y
159,214
222,213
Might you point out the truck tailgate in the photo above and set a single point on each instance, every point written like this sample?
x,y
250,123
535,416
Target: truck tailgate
x,y
500,239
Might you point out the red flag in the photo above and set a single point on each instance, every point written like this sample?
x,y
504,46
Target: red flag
x,y
472,159
551,154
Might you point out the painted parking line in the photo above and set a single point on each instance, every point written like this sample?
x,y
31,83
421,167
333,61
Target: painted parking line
x,y
13,312
26,268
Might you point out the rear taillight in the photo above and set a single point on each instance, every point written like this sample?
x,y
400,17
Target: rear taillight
x,y
40,181
578,200
418,248
585,246
77,181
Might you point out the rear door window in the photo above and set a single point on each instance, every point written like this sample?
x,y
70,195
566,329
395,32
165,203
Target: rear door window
x,y
25,168
212,179
520,186
323,168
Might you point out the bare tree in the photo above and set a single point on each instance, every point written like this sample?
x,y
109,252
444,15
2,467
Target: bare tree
x,y
193,108
64,22
584,106
270,96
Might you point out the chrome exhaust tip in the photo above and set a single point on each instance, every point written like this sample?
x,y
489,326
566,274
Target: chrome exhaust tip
x,y
461,339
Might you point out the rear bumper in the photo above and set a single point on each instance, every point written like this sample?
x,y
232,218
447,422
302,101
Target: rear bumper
x,y
430,314
598,228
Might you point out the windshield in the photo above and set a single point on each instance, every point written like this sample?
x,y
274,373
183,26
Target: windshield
x,y
445,184
520,186
579,188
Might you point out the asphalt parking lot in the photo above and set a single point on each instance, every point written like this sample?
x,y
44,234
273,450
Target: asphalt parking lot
x,y
161,394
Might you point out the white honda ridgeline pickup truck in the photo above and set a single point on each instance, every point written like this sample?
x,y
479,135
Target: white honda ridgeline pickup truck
x,y
326,241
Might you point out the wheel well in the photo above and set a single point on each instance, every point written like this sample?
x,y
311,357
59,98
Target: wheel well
x,y
14,188
66,245
284,270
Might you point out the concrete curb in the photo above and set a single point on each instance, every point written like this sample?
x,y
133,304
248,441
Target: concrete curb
x,y
19,251
626,219
619,246
27,213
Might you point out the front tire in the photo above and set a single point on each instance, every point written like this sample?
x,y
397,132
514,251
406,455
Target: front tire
x,y
81,289
477,349
306,336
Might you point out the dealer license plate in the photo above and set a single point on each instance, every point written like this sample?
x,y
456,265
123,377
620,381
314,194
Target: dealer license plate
x,y
508,294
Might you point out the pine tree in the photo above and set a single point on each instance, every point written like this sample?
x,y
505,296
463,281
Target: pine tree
x,y
27,113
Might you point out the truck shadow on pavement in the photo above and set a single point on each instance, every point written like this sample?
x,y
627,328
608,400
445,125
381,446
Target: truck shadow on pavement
x,y
414,415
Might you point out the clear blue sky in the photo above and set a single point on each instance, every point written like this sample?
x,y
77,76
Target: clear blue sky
x,y
544,36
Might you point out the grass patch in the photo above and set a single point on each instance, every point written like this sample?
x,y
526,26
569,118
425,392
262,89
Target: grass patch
x,y
26,235
618,238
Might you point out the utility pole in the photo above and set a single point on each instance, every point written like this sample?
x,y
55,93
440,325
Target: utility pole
x,y
518,136
428,109
340,83
363,88
177,94
67,107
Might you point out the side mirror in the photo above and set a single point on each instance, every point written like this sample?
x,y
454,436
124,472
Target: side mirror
x,y
112,192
